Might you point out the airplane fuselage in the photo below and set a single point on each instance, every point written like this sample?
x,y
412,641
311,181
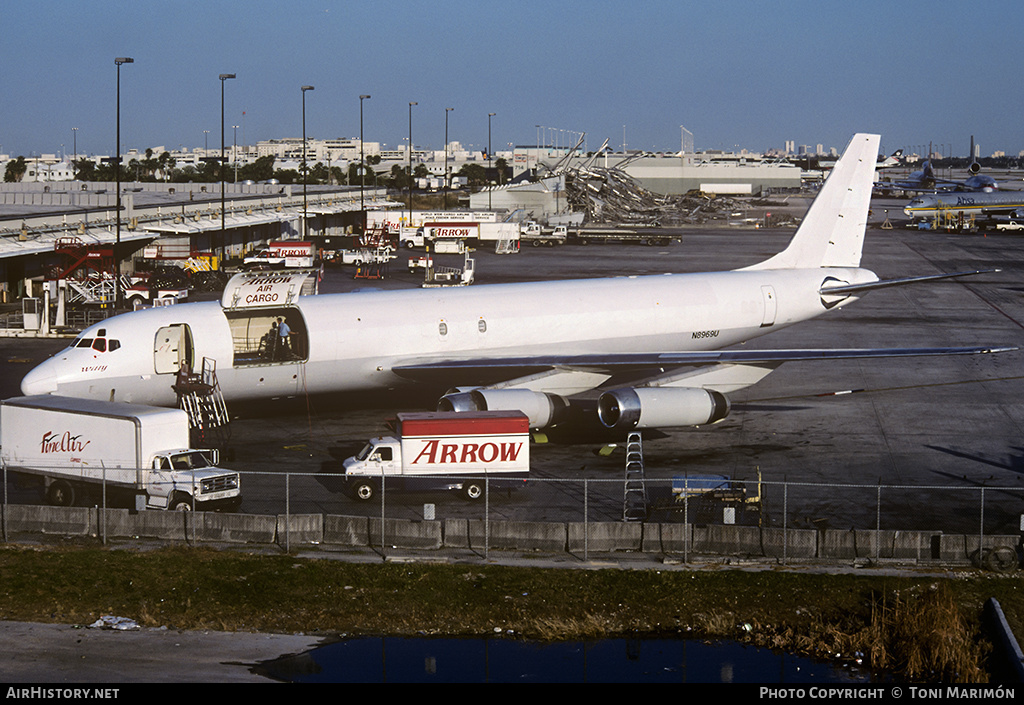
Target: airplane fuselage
x,y
355,339
977,204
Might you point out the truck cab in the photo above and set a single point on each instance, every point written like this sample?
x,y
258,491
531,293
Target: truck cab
x,y
187,478
379,456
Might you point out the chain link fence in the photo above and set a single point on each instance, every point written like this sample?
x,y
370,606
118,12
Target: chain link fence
x,y
684,517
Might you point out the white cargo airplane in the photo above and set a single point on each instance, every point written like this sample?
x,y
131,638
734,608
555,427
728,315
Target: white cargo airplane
x,y
646,348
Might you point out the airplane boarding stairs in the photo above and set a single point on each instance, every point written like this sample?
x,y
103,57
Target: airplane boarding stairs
x,y
200,396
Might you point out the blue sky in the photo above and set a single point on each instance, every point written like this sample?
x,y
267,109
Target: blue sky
x,y
734,72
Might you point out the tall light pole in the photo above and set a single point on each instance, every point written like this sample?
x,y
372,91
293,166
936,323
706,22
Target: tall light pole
x,y
305,227
117,169
74,172
234,149
489,189
410,163
223,237
362,160
446,111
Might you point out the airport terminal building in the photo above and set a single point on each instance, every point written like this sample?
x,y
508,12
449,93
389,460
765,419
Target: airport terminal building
x,y
44,226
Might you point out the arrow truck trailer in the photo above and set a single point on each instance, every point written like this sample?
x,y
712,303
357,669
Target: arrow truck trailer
x,y
465,451
79,448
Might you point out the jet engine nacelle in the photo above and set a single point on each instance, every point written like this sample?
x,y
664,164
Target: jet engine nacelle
x,y
660,407
541,408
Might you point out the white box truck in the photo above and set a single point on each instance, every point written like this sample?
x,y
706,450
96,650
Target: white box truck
x,y
464,451
80,447
283,253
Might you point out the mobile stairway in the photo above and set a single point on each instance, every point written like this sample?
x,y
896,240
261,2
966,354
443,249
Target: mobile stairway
x,y
200,396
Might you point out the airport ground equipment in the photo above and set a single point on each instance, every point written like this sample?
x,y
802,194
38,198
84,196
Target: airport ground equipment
x,y
537,236
75,448
200,396
283,253
634,499
467,452
435,276
375,253
703,499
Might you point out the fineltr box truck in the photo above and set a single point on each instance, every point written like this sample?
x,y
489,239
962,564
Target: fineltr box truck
x,y
465,451
79,447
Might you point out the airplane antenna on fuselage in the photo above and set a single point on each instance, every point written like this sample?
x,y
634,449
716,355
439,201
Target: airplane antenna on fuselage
x,y
832,232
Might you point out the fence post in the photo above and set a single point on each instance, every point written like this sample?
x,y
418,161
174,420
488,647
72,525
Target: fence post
x,y
878,519
687,529
586,520
5,499
382,483
287,513
103,529
487,517
785,521
981,527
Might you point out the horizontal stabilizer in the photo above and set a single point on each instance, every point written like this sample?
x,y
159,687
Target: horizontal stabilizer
x,y
871,286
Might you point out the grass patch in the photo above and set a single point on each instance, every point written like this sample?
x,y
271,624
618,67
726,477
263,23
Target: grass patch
x,y
918,628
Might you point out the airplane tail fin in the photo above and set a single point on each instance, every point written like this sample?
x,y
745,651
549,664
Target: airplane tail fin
x,y
832,232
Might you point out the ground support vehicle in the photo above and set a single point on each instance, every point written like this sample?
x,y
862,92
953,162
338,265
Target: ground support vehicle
x,y
78,448
707,499
537,236
283,253
640,236
464,451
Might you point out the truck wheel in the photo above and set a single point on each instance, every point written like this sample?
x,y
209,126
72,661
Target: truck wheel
x,y
61,494
472,490
364,491
180,503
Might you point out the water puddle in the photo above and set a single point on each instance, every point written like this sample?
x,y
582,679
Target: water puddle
x,y
498,660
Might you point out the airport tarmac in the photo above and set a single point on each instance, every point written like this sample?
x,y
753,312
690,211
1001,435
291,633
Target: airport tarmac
x,y
36,654
946,430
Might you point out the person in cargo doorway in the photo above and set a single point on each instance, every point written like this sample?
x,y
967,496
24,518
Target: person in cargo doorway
x,y
283,334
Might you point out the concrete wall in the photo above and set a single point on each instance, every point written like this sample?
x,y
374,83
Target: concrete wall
x,y
576,538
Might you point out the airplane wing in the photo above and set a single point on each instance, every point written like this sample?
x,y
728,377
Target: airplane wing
x,y
489,370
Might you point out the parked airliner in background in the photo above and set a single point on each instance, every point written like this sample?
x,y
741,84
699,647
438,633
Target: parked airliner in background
x,y
642,351
925,180
985,208
814,163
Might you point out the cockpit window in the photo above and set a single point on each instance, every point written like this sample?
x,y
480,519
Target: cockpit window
x,y
99,344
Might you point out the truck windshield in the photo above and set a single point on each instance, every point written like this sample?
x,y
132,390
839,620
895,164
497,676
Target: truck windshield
x,y
365,452
189,461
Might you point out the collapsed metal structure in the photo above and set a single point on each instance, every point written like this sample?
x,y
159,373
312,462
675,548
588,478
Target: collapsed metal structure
x,y
607,194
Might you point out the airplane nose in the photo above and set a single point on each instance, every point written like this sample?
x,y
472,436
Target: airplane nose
x,y
40,380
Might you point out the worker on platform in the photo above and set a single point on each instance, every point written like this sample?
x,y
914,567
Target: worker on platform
x,y
283,334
